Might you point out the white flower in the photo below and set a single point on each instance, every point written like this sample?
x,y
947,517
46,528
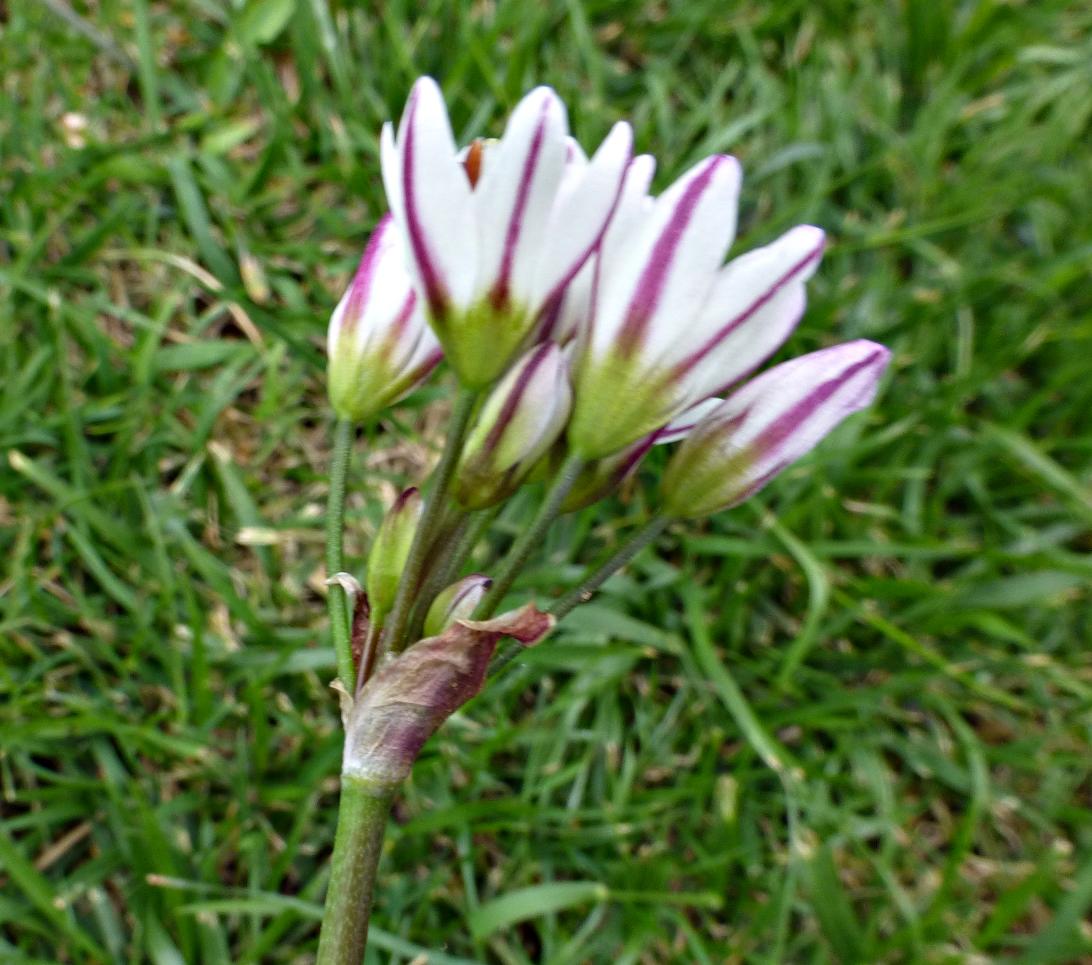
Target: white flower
x,y
670,324
488,257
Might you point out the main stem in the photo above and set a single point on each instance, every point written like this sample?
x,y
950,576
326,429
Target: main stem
x,y
337,602
361,823
435,503
531,537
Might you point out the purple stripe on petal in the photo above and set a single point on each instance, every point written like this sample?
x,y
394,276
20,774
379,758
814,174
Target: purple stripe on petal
x,y
651,284
435,292
549,317
515,395
785,425
365,274
404,316
723,390
559,289
731,325
499,294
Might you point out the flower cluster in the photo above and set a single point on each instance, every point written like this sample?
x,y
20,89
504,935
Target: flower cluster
x,y
586,320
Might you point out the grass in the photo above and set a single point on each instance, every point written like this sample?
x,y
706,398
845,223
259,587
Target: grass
x,y
848,722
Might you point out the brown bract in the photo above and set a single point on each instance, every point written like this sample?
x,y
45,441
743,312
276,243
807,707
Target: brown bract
x,y
408,699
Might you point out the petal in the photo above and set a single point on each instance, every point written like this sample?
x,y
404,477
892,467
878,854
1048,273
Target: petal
x,y
754,305
435,207
785,412
566,316
581,212
514,196
633,207
767,425
377,292
679,428
390,169
663,274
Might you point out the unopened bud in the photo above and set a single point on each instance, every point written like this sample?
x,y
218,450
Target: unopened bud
x,y
457,602
520,420
378,343
767,425
390,551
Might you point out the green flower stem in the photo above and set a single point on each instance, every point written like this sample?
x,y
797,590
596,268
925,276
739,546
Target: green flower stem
x,y
337,602
600,574
361,824
431,517
531,537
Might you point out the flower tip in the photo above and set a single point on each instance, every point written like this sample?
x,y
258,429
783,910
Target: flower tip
x,y
425,86
883,356
620,137
728,166
641,169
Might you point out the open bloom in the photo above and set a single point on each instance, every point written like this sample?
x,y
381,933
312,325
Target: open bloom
x,y
378,343
519,421
767,425
493,244
670,324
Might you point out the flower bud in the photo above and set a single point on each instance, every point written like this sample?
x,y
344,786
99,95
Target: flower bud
x,y
767,425
390,551
457,602
378,344
519,421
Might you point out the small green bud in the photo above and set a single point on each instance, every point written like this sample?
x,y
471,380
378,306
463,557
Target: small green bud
x,y
457,602
390,551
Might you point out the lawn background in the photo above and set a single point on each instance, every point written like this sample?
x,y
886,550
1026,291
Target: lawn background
x,y
847,722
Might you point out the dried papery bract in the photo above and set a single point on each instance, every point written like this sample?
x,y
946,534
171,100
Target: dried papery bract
x,y
412,695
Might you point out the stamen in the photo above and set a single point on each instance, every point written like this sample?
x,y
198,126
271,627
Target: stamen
x,y
473,161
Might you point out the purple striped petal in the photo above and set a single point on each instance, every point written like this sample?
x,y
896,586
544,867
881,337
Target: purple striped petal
x,y
514,196
519,421
668,267
580,214
431,198
752,309
378,342
768,424
678,429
